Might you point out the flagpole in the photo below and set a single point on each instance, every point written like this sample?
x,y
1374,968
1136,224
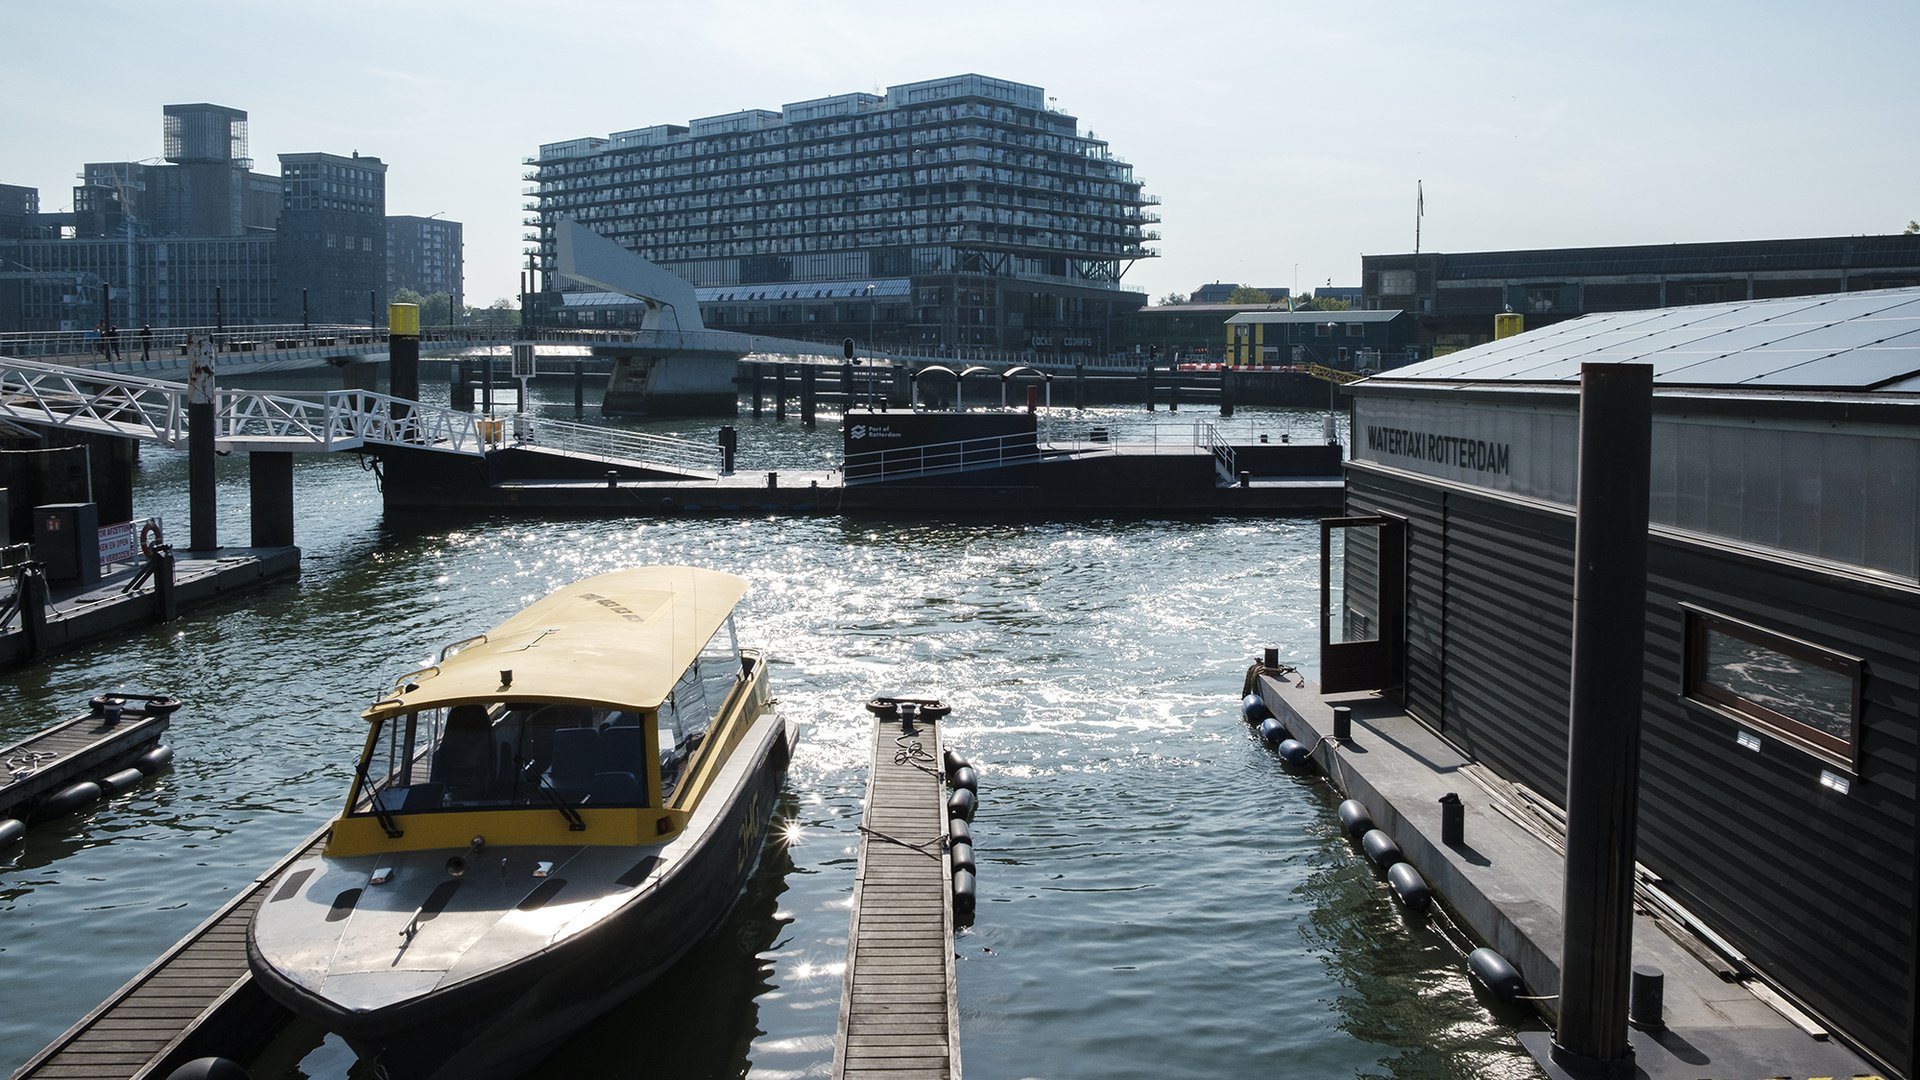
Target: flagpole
x,y
1419,211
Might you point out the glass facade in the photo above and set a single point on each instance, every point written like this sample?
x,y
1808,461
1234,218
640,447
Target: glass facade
x,y
960,178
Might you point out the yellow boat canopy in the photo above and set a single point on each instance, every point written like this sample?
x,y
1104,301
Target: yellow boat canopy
x,y
619,640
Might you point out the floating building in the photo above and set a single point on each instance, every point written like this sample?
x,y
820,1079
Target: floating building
x,y
1780,727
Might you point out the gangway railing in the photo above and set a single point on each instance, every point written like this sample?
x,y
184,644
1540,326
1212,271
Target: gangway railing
x,y
155,410
92,401
613,445
1207,437
944,458
346,420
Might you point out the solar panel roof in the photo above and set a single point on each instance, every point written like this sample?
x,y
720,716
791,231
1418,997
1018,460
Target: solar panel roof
x,y
1864,341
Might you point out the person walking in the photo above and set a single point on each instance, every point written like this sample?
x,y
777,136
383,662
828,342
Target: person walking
x,y
113,342
146,344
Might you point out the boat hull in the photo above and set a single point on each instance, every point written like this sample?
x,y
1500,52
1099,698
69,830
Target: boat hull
x,y
498,1022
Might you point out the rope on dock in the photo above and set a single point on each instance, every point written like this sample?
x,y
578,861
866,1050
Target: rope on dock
x,y
908,844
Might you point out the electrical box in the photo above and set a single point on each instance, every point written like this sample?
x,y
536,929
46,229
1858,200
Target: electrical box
x,y
66,538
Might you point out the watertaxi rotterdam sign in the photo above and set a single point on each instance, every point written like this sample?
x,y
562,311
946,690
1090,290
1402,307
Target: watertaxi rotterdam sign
x,y
1522,449
1441,448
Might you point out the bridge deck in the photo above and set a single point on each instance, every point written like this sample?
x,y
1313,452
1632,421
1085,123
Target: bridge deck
x,y
898,1015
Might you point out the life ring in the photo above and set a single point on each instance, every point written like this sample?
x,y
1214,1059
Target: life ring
x,y
150,539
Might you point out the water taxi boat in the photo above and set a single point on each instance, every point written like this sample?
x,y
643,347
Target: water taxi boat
x,y
539,824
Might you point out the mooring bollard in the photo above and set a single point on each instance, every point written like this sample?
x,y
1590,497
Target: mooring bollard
x,y
1343,723
1453,819
163,596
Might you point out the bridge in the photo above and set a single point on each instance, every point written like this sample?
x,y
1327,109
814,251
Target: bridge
x,y
146,409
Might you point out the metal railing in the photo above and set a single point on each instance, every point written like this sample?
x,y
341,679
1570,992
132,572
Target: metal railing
x,y
92,401
1207,437
613,445
346,420
154,410
945,458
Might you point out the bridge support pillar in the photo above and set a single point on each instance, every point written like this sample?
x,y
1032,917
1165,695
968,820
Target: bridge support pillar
x,y
579,389
460,394
270,476
1079,385
1227,380
809,395
203,532
759,372
780,391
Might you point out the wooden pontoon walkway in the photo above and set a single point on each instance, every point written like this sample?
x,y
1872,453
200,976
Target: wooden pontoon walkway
x,y
898,1016
71,750
197,1000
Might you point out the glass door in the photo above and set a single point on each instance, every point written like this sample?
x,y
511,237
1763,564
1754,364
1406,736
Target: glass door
x,y
1362,602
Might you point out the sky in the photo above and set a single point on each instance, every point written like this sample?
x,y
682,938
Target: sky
x,y
1285,140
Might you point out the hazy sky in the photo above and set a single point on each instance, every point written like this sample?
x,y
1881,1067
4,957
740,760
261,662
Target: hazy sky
x,y
1284,139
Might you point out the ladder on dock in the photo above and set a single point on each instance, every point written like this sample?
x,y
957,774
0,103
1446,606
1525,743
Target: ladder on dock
x,y
197,1000
898,1013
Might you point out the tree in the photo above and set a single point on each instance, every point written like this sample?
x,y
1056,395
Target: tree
x,y
1912,227
1173,298
501,312
1247,294
1324,303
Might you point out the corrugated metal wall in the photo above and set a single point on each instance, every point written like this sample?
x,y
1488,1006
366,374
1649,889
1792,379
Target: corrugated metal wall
x,y
1819,889
1422,508
1489,623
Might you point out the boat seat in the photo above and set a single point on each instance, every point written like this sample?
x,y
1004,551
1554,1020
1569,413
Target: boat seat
x,y
464,762
577,755
621,747
615,789
427,796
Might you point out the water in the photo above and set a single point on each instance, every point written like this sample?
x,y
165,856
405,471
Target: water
x,y
1158,895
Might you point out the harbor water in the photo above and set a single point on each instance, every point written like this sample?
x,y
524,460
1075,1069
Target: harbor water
x,y
1159,896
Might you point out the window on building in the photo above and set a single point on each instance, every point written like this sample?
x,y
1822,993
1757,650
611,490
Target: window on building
x,y
1805,694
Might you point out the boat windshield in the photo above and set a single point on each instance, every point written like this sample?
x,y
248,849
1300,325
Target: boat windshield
x,y
506,755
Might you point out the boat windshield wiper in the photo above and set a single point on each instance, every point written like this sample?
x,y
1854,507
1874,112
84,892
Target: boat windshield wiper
x,y
380,813
575,823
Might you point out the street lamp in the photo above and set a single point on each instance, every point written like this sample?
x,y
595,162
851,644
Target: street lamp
x,y
872,310
1333,388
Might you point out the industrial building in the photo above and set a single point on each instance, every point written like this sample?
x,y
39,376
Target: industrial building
x,y
1780,727
198,238
953,213
1455,296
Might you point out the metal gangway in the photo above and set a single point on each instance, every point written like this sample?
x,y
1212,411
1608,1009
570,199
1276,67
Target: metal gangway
x,y
155,410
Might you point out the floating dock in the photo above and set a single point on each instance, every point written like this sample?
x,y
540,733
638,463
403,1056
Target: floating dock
x,y
124,599
197,1000
94,747
1504,882
898,1013
986,463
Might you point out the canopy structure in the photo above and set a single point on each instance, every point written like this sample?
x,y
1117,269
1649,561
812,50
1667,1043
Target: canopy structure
x,y
619,640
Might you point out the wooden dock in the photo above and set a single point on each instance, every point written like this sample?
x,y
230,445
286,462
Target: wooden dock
x,y
84,747
197,1000
898,1015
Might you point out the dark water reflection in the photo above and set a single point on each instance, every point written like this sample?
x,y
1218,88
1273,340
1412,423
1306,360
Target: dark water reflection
x,y
1158,895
